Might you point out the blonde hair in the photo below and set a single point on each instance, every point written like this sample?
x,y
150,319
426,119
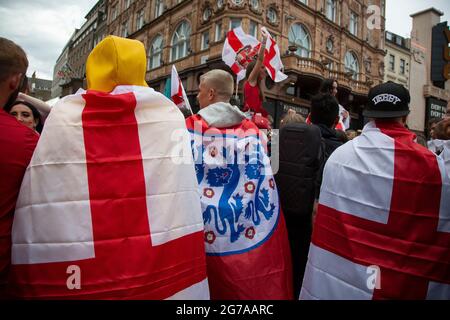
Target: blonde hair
x,y
221,81
291,117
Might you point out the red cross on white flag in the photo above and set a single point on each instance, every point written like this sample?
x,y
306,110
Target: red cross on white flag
x,y
239,49
382,229
103,196
272,59
177,92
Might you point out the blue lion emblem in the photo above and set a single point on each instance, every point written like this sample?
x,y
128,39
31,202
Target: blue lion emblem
x,y
218,177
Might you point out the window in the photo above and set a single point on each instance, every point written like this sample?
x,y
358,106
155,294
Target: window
x,y
389,36
352,65
180,41
331,10
218,33
353,27
303,1
272,15
140,20
207,14
391,62
155,53
254,4
299,37
159,8
237,2
114,13
234,23
125,29
402,66
127,4
253,29
205,40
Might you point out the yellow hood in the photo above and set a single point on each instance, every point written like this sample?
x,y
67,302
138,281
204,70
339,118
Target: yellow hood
x,y
116,61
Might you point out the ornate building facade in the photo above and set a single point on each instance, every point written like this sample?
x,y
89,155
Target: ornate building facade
x,y
318,39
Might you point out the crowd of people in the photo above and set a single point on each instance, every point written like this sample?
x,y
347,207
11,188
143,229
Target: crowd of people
x,y
350,214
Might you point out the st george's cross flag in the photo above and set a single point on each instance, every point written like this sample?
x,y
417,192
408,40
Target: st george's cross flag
x,y
239,49
177,92
245,235
272,59
382,229
103,211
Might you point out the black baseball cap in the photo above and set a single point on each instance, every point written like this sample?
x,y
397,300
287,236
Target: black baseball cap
x,y
387,100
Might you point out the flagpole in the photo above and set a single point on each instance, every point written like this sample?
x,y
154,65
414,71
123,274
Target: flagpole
x,y
237,87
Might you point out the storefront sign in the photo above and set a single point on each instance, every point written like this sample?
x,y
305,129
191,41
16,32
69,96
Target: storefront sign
x,y
299,109
436,108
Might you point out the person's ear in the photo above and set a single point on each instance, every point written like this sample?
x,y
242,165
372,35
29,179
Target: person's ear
x,y
211,94
14,81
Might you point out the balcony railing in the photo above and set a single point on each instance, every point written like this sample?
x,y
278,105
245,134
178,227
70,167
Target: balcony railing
x,y
317,68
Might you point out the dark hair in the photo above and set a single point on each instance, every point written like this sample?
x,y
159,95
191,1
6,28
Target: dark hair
x,y
324,109
34,111
12,59
433,121
249,69
327,86
442,130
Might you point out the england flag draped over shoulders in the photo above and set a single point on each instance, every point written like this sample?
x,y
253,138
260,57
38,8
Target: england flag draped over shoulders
x,y
103,211
385,232
245,235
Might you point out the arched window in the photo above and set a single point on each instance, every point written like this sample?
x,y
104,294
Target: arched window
x,y
180,41
352,64
155,52
299,36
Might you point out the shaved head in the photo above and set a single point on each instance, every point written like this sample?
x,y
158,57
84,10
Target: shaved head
x,y
221,81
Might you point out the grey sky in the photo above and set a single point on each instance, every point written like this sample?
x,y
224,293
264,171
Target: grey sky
x,y
398,11
43,27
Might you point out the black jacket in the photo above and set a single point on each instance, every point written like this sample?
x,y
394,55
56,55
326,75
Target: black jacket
x,y
299,150
330,142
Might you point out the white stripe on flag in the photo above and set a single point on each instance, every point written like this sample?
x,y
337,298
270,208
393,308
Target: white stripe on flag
x,y
171,184
364,203
59,203
198,291
337,278
438,291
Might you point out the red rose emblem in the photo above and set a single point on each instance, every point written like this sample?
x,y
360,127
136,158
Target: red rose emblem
x,y
210,237
249,187
208,192
250,233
